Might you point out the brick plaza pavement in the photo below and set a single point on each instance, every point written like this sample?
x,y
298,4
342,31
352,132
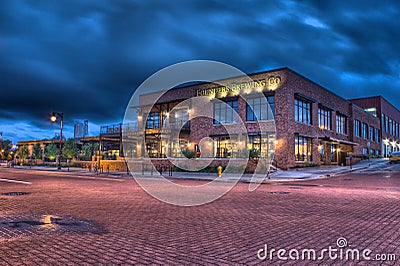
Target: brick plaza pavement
x,y
118,223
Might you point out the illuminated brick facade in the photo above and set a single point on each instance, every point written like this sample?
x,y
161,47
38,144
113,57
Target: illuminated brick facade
x,y
313,124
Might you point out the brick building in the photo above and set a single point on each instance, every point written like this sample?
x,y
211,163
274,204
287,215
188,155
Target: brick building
x,y
389,121
313,125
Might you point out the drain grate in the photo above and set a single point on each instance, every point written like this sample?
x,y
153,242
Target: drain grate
x,y
15,193
279,192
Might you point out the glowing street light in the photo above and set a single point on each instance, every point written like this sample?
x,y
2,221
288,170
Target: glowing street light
x,y
53,118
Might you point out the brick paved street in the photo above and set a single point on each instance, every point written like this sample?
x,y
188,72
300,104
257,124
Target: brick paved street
x,y
113,221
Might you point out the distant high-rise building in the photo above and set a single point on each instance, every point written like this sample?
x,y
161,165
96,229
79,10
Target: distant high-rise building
x,y
81,130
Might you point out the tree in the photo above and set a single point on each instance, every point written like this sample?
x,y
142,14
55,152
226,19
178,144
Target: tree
x,y
96,146
5,149
23,152
51,151
37,152
69,150
254,154
87,151
188,153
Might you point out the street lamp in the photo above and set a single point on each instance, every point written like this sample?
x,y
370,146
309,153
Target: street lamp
x,y
53,118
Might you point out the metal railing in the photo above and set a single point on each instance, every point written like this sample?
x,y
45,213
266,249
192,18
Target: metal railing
x,y
133,127
116,128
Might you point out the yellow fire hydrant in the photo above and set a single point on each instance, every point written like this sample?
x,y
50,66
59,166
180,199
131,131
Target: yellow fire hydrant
x,y
219,171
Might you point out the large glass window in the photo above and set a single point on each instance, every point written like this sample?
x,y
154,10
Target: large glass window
x,y
377,133
153,120
257,108
225,112
383,122
371,133
302,148
386,124
177,146
341,124
152,148
265,145
324,118
364,130
224,147
357,128
302,111
334,153
179,117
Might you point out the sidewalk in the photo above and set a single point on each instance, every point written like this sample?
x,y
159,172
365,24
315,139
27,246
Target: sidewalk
x,y
307,173
298,174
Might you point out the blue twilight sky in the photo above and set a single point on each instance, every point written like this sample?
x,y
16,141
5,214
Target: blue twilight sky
x,y
86,57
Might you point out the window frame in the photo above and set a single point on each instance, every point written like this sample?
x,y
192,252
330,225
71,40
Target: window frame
x,y
324,118
341,124
299,143
230,114
302,111
252,108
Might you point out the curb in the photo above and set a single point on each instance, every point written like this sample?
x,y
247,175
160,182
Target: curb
x,y
266,180
350,170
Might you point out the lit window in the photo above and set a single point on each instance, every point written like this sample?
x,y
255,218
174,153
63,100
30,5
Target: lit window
x,y
371,110
224,147
324,118
153,120
302,148
264,145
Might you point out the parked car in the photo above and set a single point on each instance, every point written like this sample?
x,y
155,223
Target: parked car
x,y
394,157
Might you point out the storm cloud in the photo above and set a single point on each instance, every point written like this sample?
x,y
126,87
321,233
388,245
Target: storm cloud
x,y
85,58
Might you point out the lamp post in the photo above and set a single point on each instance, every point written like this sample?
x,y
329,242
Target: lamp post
x,y
53,118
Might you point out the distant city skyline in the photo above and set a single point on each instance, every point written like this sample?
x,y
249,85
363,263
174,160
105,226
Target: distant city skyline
x,y
85,58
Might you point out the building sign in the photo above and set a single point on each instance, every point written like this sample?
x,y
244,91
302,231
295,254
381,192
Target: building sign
x,y
269,84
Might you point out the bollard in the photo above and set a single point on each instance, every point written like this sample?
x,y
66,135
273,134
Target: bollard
x,y
219,171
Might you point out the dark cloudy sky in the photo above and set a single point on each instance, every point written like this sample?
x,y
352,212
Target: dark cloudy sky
x,y
86,57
